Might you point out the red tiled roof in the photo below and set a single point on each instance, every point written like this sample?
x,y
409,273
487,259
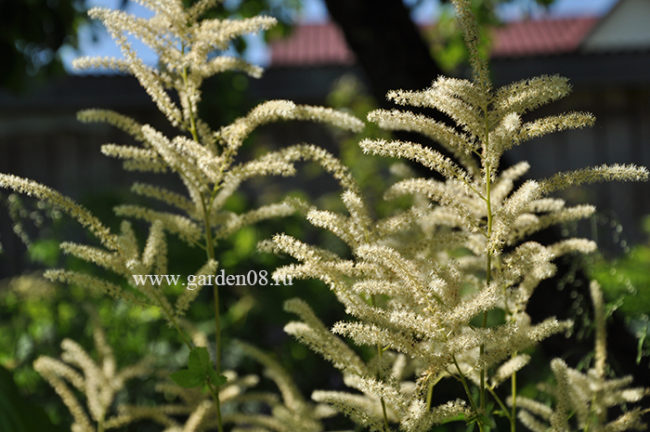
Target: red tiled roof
x,y
324,44
312,45
540,37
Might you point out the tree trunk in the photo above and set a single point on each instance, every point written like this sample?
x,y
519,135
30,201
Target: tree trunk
x,y
387,45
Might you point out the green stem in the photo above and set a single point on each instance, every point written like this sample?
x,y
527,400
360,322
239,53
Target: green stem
x,y
383,410
430,394
172,318
488,275
186,339
513,415
209,249
193,130
482,376
383,403
463,380
214,392
500,403
488,235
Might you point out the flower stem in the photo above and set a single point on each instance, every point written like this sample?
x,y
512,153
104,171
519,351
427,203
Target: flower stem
x,y
488,276
430,394
209,249
383,403
513,391
463,381
214,392
500,403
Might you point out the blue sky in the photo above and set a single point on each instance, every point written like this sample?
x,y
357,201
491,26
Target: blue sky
x,y
315,11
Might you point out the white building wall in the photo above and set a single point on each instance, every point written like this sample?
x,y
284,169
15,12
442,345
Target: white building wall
x,y
626,27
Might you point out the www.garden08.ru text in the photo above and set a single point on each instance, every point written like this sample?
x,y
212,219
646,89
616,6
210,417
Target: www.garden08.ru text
x,y
250,278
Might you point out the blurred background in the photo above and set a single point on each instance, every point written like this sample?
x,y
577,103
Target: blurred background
x,y
341,53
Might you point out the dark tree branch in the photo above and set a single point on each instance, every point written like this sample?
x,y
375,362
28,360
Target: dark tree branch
x,y
387,45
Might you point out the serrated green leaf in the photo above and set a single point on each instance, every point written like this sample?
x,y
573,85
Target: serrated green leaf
x,y
199,369
199,361
216,379
187,378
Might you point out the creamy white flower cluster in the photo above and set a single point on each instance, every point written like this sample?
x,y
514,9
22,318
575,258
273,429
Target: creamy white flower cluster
x,y
420,285
100,382
583,399
189,50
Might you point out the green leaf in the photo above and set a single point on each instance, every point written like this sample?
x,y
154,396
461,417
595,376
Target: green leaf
x,y
187,378
199,369
215,379
199,361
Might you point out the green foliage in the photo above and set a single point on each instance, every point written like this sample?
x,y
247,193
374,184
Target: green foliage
x,y
199,371
626,284
18,414
626,280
